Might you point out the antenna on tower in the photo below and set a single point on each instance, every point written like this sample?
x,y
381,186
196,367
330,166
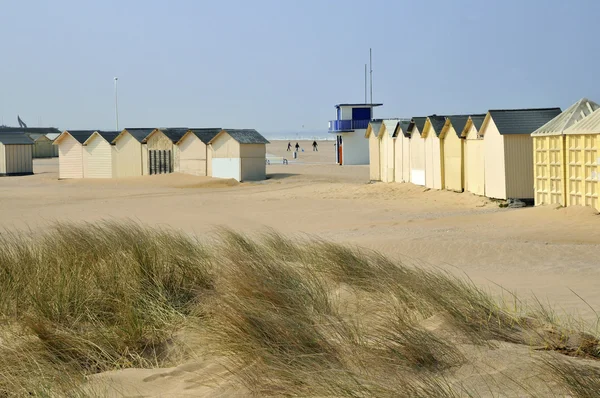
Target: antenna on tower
x,y
365,83
371,69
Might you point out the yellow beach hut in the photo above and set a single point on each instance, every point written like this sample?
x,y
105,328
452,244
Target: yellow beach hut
x,y
402,152
195,151
474,162
98,154
434,173
549,153
386,149
508,150
70,152
583,161
417,150
163,154
130,155
374,158
452,149
239,154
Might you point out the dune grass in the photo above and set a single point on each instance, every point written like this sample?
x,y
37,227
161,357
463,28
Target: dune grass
x,y
292,317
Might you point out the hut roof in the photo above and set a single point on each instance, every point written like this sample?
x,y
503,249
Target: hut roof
x,y
80,135
109,136
375,126
573,114
522,121
139,133
589,125
477,120
418,122
391,125
205,134
14,138
243,136
437,123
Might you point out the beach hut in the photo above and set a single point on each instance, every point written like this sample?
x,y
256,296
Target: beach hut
x,y
549,153
474,156
417,150
70,152
582,160
16,154
130,154
98,154
42,146
163,154
239,154
402,152
452,148
434,173
386,149
195,152
374,158
508,150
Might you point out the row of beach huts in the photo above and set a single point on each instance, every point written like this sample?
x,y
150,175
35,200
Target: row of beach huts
x,y
545,155
215,152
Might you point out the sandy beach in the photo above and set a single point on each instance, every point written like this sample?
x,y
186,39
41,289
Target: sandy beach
x,y
547,252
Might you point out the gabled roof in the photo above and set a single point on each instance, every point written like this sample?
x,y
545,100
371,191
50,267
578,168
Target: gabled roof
x,y
437,123
204,134
243,136
522,121
109,136
391,125
80,135
35,136
13,138
566,119
172,133
477,120
374,127
139,133
418,122
589,125
459,122
403,126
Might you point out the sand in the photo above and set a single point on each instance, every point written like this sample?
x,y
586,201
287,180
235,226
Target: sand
x,y
547,252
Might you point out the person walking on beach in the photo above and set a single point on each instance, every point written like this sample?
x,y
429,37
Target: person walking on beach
x,y
289,146
315,146
297,147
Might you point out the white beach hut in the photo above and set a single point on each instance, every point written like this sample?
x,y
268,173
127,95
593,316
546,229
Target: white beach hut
x,y
70,152
239,154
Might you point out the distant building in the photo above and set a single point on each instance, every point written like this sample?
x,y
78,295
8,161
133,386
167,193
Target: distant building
x,y
350,127
41,136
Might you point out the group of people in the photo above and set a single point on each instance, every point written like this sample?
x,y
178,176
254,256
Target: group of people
x,y
297,146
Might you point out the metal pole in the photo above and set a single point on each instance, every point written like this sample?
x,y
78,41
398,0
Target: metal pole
x,y
365,83
371,68
116,103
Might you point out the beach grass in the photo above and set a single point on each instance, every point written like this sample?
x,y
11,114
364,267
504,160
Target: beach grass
x,y
292,317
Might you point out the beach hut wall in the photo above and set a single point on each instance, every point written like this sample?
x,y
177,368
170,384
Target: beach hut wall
x,y
239,154
474,161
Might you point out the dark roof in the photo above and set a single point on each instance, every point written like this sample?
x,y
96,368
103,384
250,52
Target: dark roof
x,y
175,134
361,105
437,122
419,122
36,130
205,134
522,121
458,122
108,135
81,135
139,133
404,126
246,136
7,138
477,120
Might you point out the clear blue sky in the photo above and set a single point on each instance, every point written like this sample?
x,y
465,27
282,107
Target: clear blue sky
x,y
277,65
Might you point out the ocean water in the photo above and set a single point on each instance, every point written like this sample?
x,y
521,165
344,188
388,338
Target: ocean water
x,y
302,136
